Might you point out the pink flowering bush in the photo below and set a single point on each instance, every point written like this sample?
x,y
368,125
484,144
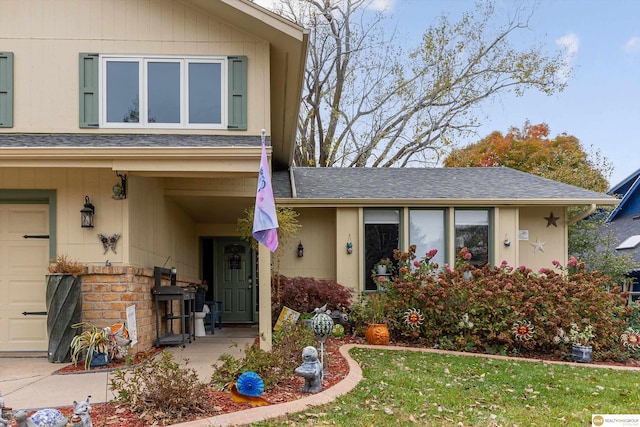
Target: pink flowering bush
x,y
474,309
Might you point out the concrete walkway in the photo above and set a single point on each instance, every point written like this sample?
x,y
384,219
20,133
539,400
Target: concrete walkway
x,y
31,383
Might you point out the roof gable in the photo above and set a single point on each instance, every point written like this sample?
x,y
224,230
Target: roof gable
x,y
630,203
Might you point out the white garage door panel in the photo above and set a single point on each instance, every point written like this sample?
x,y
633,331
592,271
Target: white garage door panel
x,y
27,293
22,255
23,266
27,219
27,334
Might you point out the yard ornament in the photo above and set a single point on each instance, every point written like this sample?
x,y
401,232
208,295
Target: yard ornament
x,y
247,389
310,370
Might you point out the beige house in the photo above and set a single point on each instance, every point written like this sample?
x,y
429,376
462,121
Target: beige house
x,y
151,113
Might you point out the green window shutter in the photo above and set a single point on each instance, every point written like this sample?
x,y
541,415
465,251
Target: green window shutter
x,y
6,90
237,93
89,106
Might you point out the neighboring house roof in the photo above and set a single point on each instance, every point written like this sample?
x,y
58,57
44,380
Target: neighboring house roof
x,y
624,221
629,188
626,229
625,184
489,186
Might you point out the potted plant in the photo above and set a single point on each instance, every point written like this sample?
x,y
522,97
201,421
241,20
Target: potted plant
x,y
580,339
93,344
377,330
64,305
383,267
381,273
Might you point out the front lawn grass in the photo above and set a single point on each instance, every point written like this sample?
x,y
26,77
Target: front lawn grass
x,y
408,388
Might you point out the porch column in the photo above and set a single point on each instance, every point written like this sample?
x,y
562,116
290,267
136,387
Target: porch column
x,y
264,274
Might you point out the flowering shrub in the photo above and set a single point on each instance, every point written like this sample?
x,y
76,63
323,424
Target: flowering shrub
x,y
475,309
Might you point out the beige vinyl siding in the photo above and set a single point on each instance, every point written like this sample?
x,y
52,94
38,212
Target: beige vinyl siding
x,y
159,229
318,236
506,226
554,238
348,266
50,35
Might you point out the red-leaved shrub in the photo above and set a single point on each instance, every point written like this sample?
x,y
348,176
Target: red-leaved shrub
x,y
304,294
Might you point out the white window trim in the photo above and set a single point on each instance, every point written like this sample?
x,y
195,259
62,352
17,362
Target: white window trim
x,y
143,95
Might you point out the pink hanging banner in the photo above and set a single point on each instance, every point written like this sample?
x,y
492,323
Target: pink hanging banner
x,y
265,220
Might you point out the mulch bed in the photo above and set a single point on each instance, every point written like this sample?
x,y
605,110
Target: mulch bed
x,y
218,402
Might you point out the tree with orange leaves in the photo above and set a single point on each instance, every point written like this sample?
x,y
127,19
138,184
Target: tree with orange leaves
x,y
531,150
561,159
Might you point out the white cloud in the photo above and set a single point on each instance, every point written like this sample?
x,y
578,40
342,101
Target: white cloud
x,y
570,44
632,45
382,5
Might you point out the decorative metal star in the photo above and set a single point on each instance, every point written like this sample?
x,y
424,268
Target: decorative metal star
x,y
551,220
538,245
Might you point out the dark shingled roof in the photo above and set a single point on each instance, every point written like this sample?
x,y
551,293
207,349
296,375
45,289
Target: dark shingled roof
x,y
425,183
623,228
85,140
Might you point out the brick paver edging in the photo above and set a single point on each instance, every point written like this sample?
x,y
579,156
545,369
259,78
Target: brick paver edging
x,y
346,385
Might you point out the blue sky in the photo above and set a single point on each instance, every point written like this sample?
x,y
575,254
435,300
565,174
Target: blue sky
x,y
601,104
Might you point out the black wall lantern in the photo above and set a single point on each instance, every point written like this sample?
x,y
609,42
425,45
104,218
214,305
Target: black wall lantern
x,y
300,250
86,213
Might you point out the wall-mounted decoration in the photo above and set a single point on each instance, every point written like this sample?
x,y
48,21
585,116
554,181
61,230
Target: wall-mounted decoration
x,y
538,245
523,234
109,242
120,189
551,220
234,256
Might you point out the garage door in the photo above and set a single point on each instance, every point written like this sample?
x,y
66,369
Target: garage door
x,y
23,266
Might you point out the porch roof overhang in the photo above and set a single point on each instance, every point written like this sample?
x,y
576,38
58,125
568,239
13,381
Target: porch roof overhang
x,y
146,161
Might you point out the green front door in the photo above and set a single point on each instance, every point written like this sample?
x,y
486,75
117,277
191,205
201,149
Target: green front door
x,y
232,279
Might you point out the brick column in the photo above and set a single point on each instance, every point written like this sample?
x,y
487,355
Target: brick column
x,y
108,291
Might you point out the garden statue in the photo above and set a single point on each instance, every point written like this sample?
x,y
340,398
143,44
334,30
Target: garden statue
x,y
247,389
310,370
43,418
82,410
4,422
118,336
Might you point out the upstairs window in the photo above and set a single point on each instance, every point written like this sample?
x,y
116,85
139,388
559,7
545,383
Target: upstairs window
x,y
126,91
163,92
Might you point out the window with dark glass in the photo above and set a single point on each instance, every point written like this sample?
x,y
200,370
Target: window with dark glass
x,y
381,237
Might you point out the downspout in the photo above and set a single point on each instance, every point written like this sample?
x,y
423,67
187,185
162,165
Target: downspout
x,y
591,210
294,194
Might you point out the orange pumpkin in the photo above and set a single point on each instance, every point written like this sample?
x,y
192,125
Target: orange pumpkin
x,y
377,334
